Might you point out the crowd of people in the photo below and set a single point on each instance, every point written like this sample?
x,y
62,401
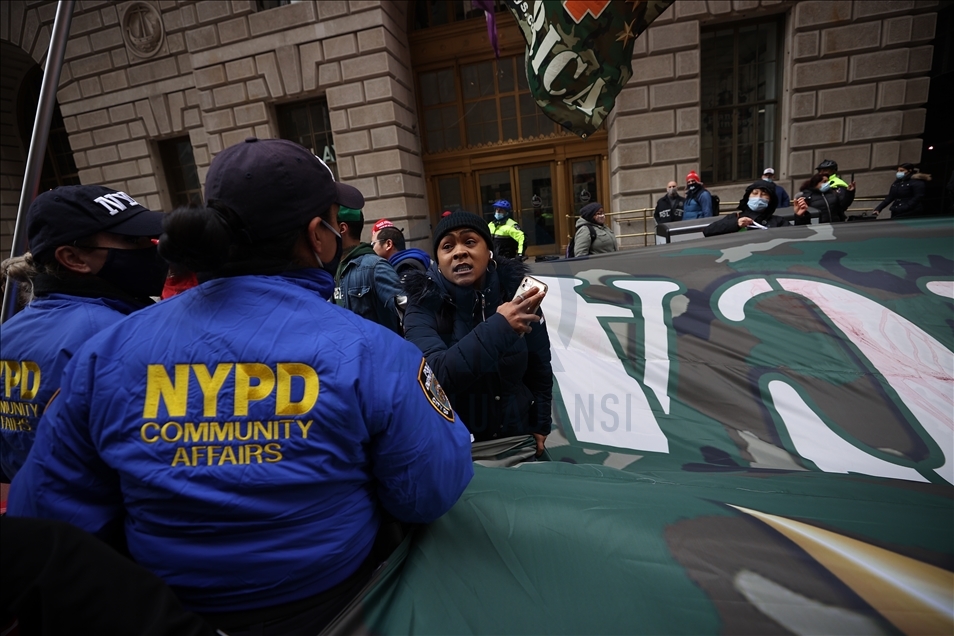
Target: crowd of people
x,y
824,195
248,439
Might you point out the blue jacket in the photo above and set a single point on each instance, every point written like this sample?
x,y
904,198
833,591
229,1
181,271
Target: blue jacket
x,y
36,344
698,206
784,201
500,384
369,286
244,435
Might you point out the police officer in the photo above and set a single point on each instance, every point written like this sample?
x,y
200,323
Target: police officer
x,y
247,437
92,262
507,235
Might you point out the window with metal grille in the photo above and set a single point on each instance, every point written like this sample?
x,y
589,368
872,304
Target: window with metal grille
x,y
309,124
491,99
182,178
741,82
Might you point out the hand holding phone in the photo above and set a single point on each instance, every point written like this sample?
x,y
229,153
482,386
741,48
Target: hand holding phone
x,y
521,311
530,283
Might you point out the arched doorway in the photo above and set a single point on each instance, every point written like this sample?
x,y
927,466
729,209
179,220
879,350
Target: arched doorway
x,y
483,137
20,79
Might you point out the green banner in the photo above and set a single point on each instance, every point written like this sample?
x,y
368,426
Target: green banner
x,y
579,54
753,434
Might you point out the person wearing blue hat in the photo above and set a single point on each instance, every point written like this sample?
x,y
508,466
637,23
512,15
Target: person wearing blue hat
x,y
507,235
91,263
247,439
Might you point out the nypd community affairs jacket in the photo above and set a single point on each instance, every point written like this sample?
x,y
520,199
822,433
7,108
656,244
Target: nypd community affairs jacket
x,y
500,384
36,344
243,434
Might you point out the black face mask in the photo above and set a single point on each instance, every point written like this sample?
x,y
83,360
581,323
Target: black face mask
x,y
139,273
692,188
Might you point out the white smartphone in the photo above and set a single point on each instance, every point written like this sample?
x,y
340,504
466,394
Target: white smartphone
x,y
528,283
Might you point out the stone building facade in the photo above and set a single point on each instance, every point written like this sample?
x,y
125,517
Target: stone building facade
x,y
852,86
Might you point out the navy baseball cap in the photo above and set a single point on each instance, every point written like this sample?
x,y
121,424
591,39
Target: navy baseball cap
x,y
63,215
275,186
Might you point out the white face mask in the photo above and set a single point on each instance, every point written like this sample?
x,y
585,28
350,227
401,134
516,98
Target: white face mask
x,y
825,186
767,178
500,216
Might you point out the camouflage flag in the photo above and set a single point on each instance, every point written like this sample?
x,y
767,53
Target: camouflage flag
x,y
579,53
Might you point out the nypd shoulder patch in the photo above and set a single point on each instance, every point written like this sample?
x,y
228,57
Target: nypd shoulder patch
x,y
433,392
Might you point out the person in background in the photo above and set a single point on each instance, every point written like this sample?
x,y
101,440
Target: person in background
x,y
592,236
247,439
830,203
829,168
365,283
669,207
757,208
487,344
783,199
378,226
698,203
508,237
906,194
390,245
92,262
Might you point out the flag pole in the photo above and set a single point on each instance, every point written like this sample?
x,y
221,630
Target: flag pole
x,y
38,141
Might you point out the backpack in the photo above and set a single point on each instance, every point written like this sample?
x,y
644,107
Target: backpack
x,y
715,204
572,245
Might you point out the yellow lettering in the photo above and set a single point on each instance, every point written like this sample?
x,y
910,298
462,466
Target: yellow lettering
x,y
181,456
11,376
165,436
264,429
245,391
154,438
283,403
211,385
228,455
159,386
212,452
304,428
274,452
287,424
248,431
195,454
253,449
195,433
26,368
241,457
221,433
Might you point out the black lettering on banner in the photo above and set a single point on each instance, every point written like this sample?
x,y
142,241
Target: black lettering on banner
x,y
433,392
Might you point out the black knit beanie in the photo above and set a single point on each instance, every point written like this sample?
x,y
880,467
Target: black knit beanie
x,y
458,219
589,210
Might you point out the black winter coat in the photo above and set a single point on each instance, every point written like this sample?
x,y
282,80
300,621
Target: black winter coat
x,y
668,210
730,223
831,205
500,384
907,195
